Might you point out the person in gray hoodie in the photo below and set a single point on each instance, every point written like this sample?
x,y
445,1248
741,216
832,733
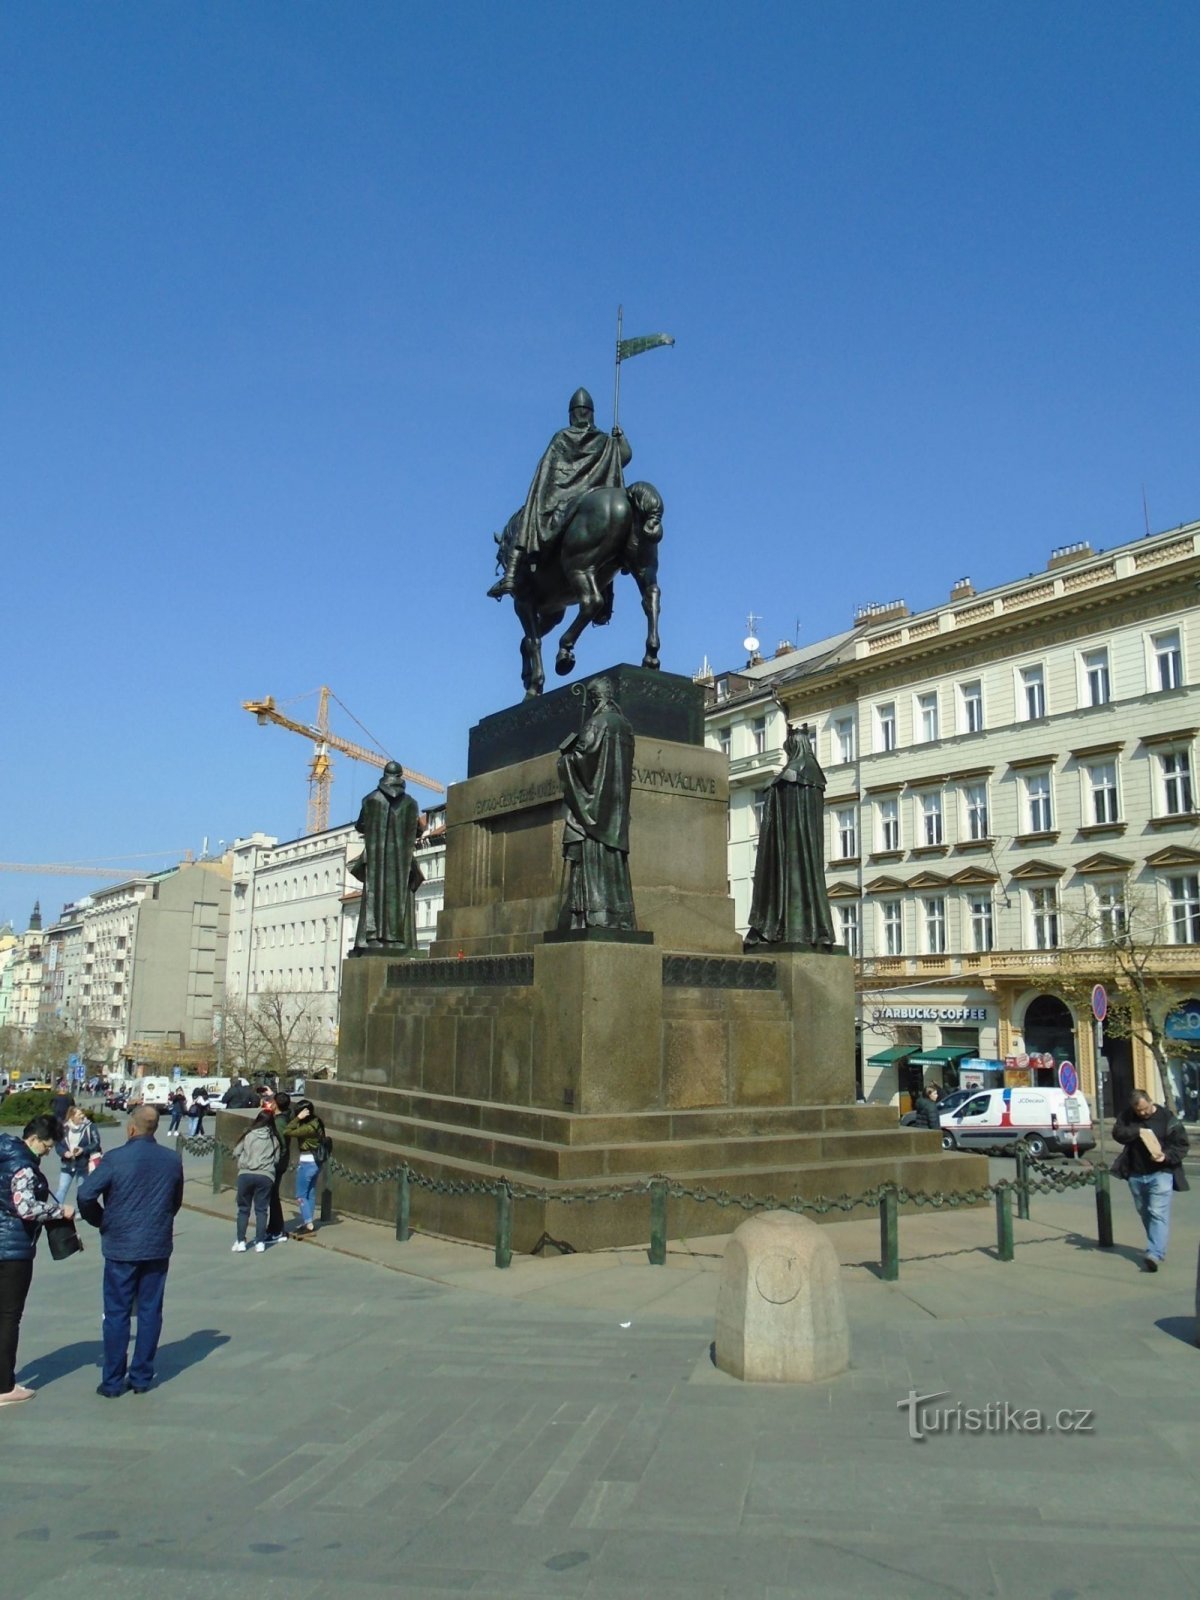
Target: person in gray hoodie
x,y
258,1156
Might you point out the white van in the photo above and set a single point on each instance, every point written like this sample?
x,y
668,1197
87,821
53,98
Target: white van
x,y
157,1091
1043,1120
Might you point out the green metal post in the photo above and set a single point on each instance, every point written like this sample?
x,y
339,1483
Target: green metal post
x,y
1004,1224
1022,1182
402,1228
889,1235
503,1225
658,1222
1104,1233
218,1158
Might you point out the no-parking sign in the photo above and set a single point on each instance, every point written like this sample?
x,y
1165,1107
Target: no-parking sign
x,y
1068,1078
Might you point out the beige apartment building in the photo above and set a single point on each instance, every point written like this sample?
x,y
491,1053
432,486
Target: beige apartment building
x,y
1010,777
294,912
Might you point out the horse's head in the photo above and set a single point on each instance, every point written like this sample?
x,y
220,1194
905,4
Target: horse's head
x,y
647,506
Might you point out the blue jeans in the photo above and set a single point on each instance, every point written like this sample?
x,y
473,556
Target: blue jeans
x,y
307,1173
1151,1193
124,1283
67,1176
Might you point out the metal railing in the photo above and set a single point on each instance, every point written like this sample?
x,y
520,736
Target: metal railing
x,y
658,1191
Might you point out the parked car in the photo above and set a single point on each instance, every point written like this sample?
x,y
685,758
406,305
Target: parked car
x,y
24,1084
1035,1118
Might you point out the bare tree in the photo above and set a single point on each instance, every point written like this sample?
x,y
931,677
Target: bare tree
x,y
277,1034
1123,946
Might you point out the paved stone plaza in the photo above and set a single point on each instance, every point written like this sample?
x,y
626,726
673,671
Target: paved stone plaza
x,y
359,1417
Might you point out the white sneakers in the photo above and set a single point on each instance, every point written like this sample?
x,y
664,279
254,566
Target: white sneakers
x,y
15,1395
239,1247
259,1248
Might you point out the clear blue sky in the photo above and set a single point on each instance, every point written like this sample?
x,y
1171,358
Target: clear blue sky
x,y
295,294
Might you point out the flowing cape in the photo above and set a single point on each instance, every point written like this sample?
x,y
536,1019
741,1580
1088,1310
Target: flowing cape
x,y
575,460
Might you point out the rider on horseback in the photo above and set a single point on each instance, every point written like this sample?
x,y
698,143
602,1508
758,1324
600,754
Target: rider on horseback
x,y
578,458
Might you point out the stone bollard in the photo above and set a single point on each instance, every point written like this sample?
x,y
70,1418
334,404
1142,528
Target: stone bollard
x,y
781,1317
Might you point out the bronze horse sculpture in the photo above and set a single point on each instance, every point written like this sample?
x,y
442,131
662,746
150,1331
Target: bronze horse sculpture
x,y
608,530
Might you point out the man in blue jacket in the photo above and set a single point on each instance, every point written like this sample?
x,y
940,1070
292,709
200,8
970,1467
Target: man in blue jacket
x,y
132,1197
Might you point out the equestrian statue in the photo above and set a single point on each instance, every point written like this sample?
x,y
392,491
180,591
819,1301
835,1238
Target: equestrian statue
x,y
579,527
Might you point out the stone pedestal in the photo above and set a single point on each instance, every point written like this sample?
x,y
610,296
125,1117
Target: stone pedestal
x,y
781,1317
580,1064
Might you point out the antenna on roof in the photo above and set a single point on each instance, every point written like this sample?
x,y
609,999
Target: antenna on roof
x,y
1145,511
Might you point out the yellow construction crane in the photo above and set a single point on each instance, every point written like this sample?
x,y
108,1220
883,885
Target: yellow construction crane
x,y
68,869
320,771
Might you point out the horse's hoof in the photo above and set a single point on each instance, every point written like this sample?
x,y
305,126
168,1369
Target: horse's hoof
x,y
564,664
651,662
532,694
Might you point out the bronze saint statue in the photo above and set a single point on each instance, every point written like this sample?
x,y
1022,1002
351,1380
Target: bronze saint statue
x,y
790,905
389,822
578,458
579,527
595,768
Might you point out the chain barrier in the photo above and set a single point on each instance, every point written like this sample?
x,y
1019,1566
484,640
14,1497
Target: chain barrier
x,y
1032,1177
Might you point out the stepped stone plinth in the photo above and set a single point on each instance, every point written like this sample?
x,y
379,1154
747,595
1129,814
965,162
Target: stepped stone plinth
x,y
578,1065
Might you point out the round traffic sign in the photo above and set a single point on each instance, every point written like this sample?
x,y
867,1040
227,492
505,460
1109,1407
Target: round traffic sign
x,y
1099,1002
1068,1078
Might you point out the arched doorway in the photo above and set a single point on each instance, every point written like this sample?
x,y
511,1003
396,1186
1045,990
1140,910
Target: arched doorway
x,y
1049,1029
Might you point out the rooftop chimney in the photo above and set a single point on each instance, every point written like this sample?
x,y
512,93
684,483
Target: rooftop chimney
x,y
962,590
1067,554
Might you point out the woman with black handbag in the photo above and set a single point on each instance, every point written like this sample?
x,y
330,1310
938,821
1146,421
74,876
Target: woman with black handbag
x,y
25,1205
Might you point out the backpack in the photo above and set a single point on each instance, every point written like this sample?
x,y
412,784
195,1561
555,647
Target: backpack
x,y
324,1149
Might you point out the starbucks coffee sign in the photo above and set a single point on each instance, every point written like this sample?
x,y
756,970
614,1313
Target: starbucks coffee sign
x,y
950,1014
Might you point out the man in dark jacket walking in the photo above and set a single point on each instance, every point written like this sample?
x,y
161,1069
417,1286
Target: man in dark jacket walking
x,y
927,1108
132,1197
1155,1143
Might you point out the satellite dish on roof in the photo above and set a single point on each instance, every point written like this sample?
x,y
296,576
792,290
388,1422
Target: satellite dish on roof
x,y
750,644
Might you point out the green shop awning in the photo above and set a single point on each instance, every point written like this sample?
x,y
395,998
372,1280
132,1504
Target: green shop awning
x,y
889,1058
945,1055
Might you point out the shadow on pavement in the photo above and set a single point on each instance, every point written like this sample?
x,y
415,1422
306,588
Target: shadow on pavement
x,y
1185,1329
1083,1241
187,1352
171,1361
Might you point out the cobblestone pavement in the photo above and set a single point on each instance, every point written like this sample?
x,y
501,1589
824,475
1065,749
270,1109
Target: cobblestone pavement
x,y
359,1417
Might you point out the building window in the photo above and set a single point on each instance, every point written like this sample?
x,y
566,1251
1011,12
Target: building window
x,y
892,914
1176,769
975,799
846,822
1038,805
889,824
885,723
927,714
1043,905
931,818
758,734
1033,693
1185,908
971,701
757,810
1095,667
935,924
1168,660
980,908
843,739
1110,912
725,740
848,921
1102,780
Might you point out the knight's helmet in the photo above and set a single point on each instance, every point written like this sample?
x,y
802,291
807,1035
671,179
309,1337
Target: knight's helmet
x,y
581,400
